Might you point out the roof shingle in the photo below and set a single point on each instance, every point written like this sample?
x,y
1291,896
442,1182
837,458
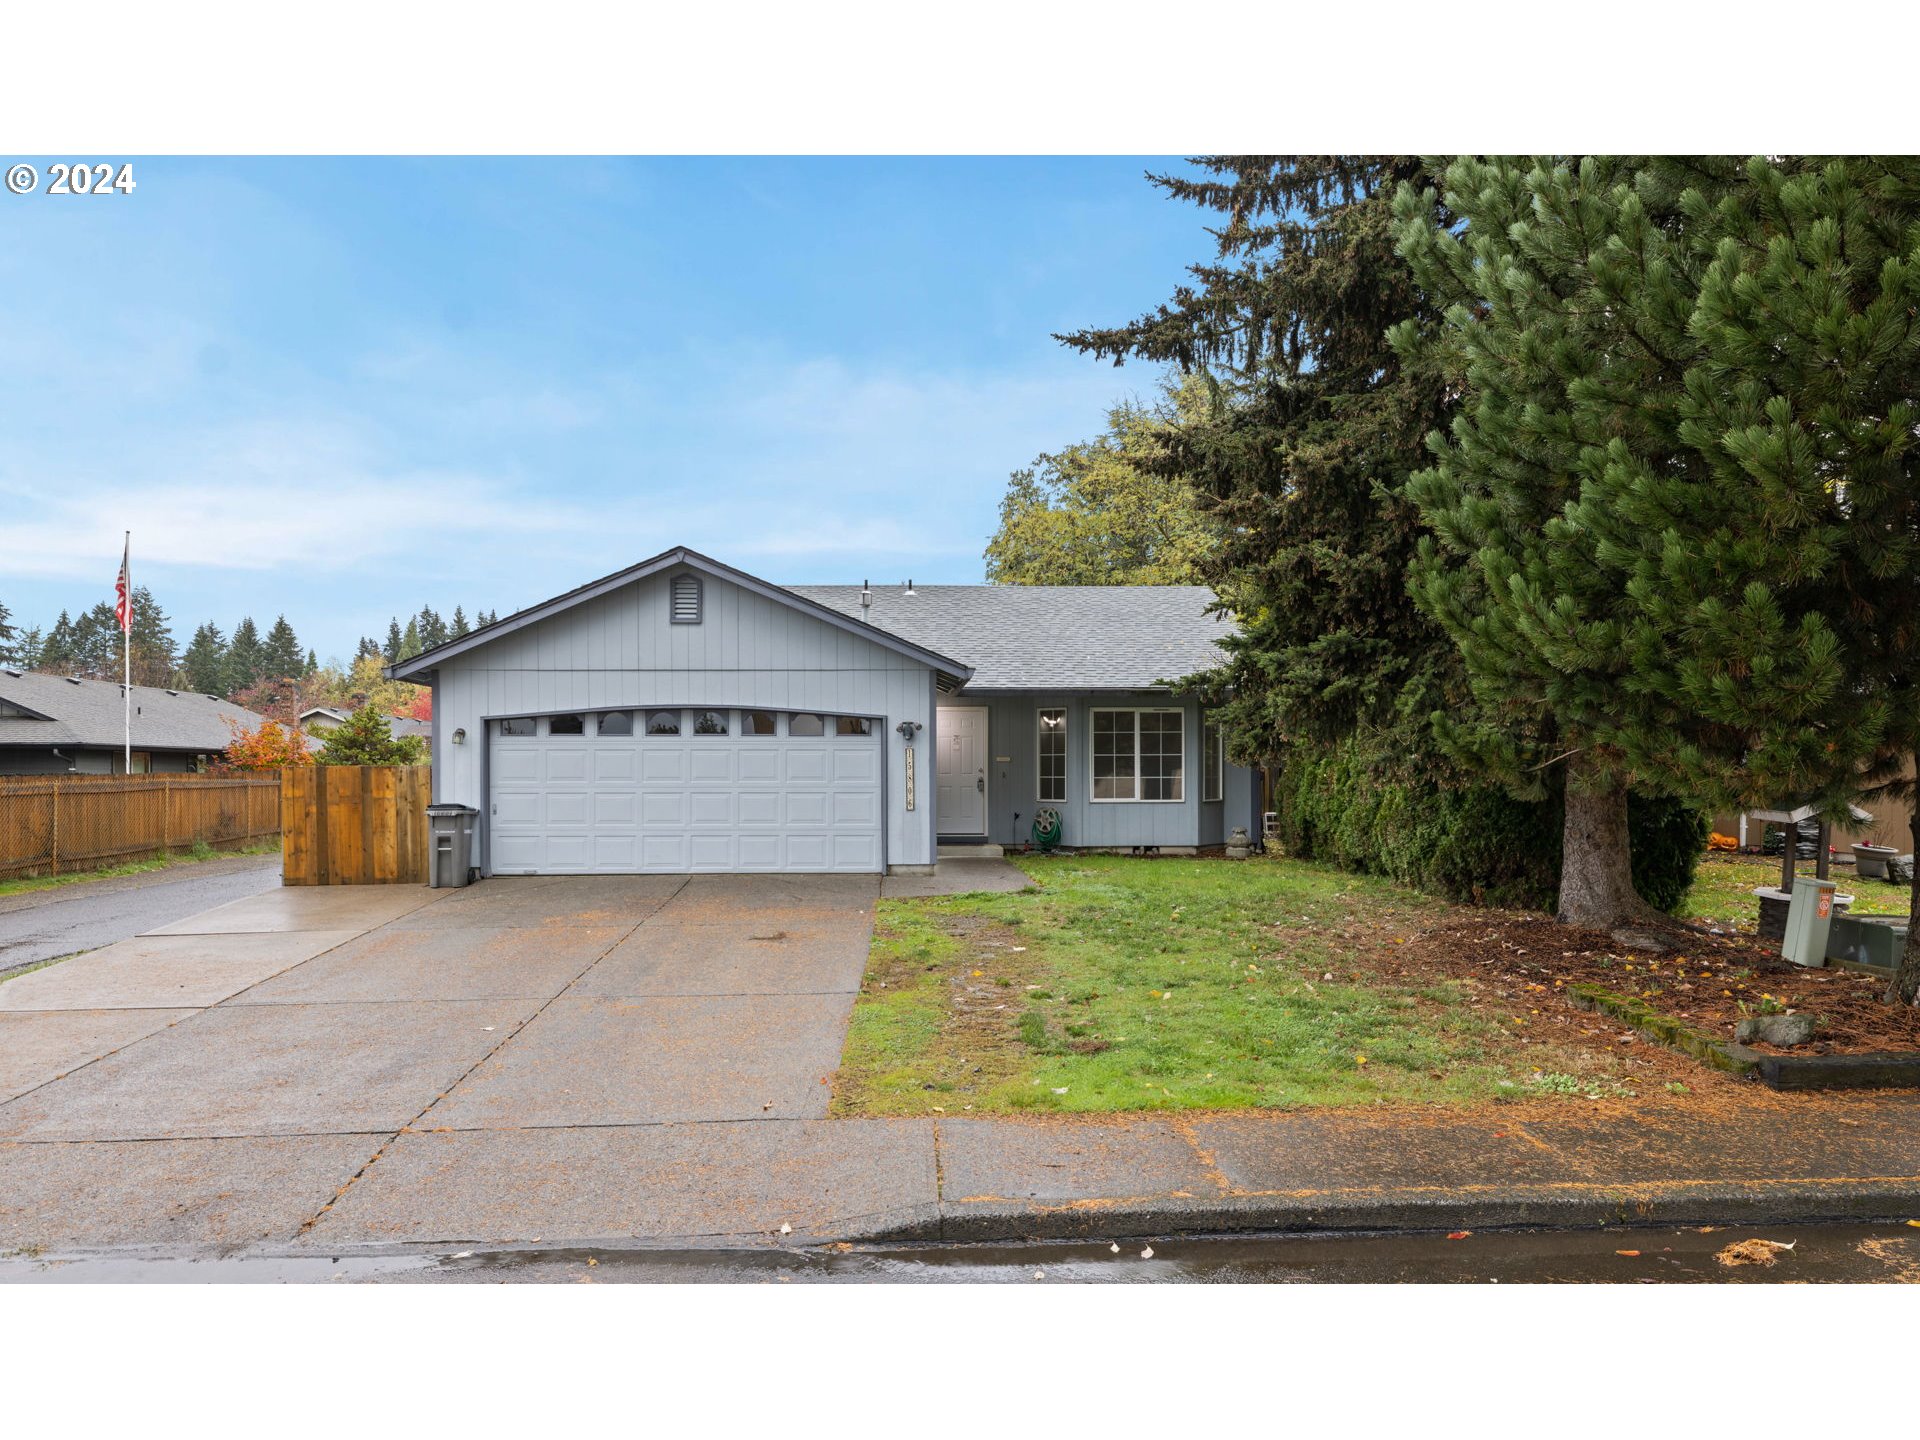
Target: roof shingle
x,y
1049,637
90,713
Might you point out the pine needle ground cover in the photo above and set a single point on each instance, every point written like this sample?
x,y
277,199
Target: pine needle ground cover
x,y
1130,984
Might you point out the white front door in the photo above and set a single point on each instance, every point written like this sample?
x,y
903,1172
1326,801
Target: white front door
x,y
963,772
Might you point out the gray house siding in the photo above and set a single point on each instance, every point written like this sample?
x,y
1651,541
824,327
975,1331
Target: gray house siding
x,y
620,651
1012,778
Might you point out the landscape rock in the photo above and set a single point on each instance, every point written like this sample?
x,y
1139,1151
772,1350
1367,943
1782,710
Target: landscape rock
x,y
1781,1030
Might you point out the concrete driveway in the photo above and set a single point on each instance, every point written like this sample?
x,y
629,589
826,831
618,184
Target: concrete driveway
x,y
522,1057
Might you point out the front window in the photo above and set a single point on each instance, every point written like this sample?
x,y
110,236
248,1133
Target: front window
x,y
1139,755
1053,757
1213,761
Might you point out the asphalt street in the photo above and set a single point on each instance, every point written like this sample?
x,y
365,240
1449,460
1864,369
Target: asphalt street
x,y
46,924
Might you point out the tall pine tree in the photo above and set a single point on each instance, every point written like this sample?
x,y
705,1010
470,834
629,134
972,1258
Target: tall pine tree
x,y
1778,572
1315,422
280,654
1568,290
204,665
245,657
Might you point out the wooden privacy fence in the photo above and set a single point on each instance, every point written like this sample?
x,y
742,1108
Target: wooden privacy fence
x,y
355,824
60,823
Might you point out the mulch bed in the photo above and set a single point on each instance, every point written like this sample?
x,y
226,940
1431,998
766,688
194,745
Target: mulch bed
x,y
1703,980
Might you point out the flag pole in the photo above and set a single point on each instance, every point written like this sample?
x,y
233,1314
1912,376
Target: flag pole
x,y
126,634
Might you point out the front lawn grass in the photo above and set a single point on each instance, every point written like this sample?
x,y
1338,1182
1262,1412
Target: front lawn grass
x,y
1723,886
1132,984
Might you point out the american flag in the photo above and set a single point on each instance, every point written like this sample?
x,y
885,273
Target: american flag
x,y
122,605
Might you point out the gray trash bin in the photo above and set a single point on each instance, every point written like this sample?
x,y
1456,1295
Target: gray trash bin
x,y
451,830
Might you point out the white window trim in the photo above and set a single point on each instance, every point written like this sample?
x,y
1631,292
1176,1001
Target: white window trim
x,y
1136,711
1066,752
1213,783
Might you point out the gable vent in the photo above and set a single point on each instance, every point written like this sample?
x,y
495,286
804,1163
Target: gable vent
x,y
686,600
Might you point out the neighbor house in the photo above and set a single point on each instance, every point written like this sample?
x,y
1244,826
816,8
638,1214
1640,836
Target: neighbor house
x,y
55,725
322,719
683,715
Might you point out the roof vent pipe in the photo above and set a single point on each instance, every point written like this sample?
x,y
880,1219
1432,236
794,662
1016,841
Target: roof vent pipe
x,y
866,600
909,585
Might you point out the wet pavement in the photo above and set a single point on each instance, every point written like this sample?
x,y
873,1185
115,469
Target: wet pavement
x,y
600,1061
43,924
1887,1253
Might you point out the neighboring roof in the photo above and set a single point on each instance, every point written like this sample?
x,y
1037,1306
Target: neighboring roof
x,y
326,710
398,725
667,560
90,713
1051,637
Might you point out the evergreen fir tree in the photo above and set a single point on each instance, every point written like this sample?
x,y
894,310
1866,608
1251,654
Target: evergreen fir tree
x,y
280,655
410,645
1314,423
57,653
313,662
432,629
27,647
9,638
459,626
368,646
204,665
245,658
391,651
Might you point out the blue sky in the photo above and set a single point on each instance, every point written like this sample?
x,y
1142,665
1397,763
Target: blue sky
x,y
338,389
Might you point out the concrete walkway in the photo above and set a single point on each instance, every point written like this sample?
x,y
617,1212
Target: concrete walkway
x,y
37,925
648,1060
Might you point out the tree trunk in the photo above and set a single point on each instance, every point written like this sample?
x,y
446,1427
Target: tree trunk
x,y
1596,864
1905,989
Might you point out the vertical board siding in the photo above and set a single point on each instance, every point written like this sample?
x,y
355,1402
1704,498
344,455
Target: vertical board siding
x,y
1013,723
355,824
620,651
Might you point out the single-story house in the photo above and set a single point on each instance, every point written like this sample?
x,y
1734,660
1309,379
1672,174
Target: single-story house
x,y
684,715
58,725
323,718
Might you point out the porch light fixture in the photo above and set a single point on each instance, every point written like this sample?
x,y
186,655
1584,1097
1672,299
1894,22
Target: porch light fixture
x,y
459,737
908,729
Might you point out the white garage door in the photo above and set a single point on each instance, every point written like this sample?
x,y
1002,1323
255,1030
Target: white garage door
x,y
667,791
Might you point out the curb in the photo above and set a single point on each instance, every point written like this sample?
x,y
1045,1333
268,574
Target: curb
x,y
1547,1207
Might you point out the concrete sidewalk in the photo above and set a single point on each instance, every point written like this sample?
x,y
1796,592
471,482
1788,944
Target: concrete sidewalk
x,y
647,1060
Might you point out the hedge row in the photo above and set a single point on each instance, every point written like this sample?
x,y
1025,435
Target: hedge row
x,y
1476,844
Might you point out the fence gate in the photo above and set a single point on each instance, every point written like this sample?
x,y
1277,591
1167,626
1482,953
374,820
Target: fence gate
x,y
355,824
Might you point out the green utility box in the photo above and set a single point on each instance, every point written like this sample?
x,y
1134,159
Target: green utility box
x,y
1867,942
1809,918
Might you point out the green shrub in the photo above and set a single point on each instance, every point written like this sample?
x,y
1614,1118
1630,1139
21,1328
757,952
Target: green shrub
x,y
1472,843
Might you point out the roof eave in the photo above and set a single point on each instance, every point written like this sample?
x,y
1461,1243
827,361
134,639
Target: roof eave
x,y
427,660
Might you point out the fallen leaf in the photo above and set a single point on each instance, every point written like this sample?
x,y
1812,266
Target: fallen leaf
x,y
1115,1247
1630,1254
1147,1254
785,1228
1459,1234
